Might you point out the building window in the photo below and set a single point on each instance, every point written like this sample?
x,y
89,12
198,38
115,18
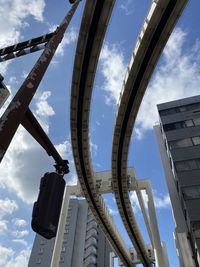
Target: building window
x,y
196,140
168,111
196,121
65,237
179,125
42,242
180,143
187,165
38,261
63,249
41,250
187,142
191,192
189,123
62,259
184,108
194,106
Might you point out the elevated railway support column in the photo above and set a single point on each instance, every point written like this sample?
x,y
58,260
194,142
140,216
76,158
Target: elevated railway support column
x,y
160,255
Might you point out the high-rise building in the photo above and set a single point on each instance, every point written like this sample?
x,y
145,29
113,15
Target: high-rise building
x,y
83,242
178,137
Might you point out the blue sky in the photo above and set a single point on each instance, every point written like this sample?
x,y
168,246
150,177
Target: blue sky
x,y
177,75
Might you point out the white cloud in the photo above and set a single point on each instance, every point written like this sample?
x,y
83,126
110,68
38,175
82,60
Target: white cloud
x,y
19,259
23,165
93,147
20,234
135,202
177,76
127,7
5,254
13,15
65,149
113,69
19,222
3,227
43,109
98,123
26,162
24,74
112,211
160,202
69,37
20,242
7,206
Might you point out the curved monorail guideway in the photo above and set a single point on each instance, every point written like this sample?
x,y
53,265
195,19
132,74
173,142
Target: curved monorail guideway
x,y
94,23
156,30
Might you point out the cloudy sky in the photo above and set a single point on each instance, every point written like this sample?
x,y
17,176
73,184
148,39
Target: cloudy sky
x,y
177,75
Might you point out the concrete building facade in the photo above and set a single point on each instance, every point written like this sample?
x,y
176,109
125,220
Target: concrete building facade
x,y
83,242
178,137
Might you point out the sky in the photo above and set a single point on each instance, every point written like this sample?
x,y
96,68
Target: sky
x,y
177,75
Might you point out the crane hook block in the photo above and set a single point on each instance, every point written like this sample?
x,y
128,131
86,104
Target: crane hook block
x,y
46,210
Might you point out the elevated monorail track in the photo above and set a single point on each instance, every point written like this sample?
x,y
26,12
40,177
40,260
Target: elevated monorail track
x,y
155,32
94,24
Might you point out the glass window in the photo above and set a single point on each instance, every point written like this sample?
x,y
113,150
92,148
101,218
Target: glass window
x,y
65,236
182,166
179,109
163,112
62,259
169,127
38,261
42,242
41,250
189,123
63,249
198,163
196,140
181,143
192,164
182,109
196,121
193,106
180,125
191,192
186,165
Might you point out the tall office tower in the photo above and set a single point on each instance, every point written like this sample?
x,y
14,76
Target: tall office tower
x,y
84,245
178,136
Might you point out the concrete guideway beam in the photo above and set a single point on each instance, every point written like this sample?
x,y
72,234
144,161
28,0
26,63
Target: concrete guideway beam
x,y
94,24
158,25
